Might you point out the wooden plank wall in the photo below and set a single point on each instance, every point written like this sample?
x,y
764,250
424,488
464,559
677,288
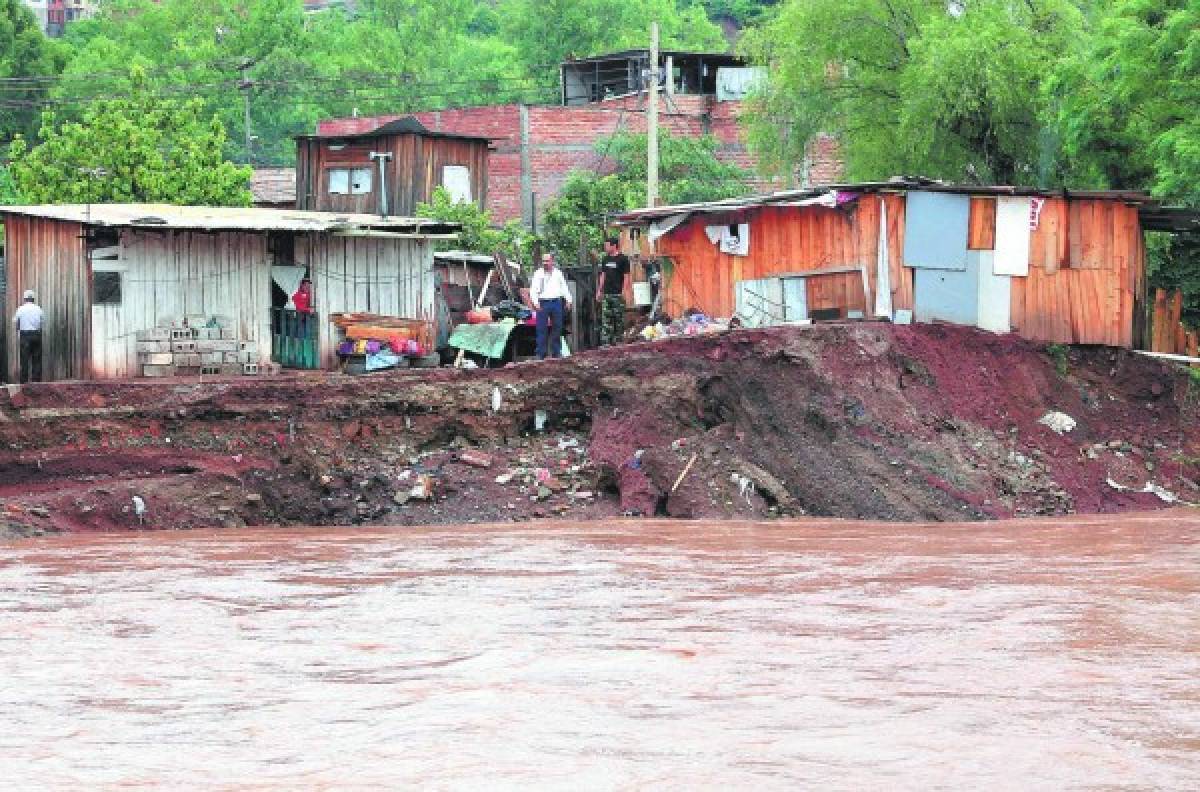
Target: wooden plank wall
x,y
981,230
413,174
388,276
1167,331
48,257
1086,275
166,275
789,240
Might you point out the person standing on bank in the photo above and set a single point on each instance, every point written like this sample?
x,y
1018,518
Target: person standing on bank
x,y
551,299
28,320
610,293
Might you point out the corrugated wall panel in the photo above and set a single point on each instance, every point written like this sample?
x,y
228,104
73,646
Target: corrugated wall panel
x,y
48,257
1086,277
169,275
783,240
388,276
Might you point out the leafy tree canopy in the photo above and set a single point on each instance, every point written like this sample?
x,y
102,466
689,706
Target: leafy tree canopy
x,y
132,150
478,234
547,32
1125,103
912,86
27,57
688,172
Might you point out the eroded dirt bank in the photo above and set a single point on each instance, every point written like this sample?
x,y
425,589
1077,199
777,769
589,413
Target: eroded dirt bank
x,y
862,420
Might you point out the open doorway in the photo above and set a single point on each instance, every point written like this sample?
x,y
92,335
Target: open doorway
x,y
293,306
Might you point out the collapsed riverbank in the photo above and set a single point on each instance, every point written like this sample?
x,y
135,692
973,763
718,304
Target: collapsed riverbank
x,y
859,420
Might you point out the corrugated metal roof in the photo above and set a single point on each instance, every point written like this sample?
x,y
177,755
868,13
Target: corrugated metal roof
x,y
785,197
273,186
409,125
218,218
629,53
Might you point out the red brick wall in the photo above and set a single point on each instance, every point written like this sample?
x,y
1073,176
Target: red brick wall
x,y
563,139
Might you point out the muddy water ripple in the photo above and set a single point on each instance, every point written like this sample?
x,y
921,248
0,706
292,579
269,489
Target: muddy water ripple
x,y
1055,655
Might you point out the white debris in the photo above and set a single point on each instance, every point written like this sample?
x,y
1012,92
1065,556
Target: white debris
x,y
539,420
1057,422
1152,489
497,400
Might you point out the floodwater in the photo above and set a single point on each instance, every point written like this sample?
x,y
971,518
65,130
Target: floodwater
x,y
621,655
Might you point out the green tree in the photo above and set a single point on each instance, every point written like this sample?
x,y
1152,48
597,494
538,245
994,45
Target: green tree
x,y
478,233
689,172
27,59
133,150
1126,100
912,86
546,32
9,195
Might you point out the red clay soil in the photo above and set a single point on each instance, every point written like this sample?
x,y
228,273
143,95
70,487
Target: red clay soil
x,y
861,420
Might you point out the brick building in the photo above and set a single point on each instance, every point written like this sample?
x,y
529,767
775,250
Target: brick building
x,y
535,147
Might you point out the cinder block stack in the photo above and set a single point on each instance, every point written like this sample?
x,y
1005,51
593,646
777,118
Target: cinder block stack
x,y
194,345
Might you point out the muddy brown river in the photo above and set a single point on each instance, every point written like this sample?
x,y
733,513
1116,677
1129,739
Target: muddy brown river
x,y
626,655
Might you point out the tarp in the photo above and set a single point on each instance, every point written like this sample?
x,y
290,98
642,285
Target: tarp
x,y
736,83
935,231
488,340
1013,219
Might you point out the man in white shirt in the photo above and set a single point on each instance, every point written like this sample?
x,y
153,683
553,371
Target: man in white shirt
x,y
549,294
28,320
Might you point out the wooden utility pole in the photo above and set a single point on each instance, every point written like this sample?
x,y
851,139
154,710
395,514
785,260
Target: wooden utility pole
x,y
652,123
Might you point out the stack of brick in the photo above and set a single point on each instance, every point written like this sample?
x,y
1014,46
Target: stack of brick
x,y
195,345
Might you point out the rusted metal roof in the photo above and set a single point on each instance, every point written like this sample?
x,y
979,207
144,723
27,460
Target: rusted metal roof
x,y
409,125
217,218
785,197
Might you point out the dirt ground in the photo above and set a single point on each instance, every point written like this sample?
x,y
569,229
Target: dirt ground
x,y
859,420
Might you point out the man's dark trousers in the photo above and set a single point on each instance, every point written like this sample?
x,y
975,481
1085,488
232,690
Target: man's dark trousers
x,y
551,312
31,356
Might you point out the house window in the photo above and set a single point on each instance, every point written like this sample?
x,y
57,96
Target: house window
x,y
339,181
457,181
106,288
350,181
360,181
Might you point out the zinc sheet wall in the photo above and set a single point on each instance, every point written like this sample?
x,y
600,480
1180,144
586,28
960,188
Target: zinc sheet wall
x,y
166,275
381,275
790,240
48,257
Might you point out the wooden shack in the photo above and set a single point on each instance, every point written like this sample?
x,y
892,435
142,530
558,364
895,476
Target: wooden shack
x,y
106,275
401,161
1064,267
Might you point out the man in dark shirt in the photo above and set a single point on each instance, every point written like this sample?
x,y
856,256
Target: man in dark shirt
x,y
610,293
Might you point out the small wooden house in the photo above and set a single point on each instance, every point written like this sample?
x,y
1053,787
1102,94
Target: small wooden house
x,y
109,276
1067,267
399,164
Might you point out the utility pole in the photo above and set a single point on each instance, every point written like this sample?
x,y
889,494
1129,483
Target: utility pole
x,y
245,85
652,123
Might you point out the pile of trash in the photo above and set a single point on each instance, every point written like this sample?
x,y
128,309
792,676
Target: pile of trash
x,y
693,323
